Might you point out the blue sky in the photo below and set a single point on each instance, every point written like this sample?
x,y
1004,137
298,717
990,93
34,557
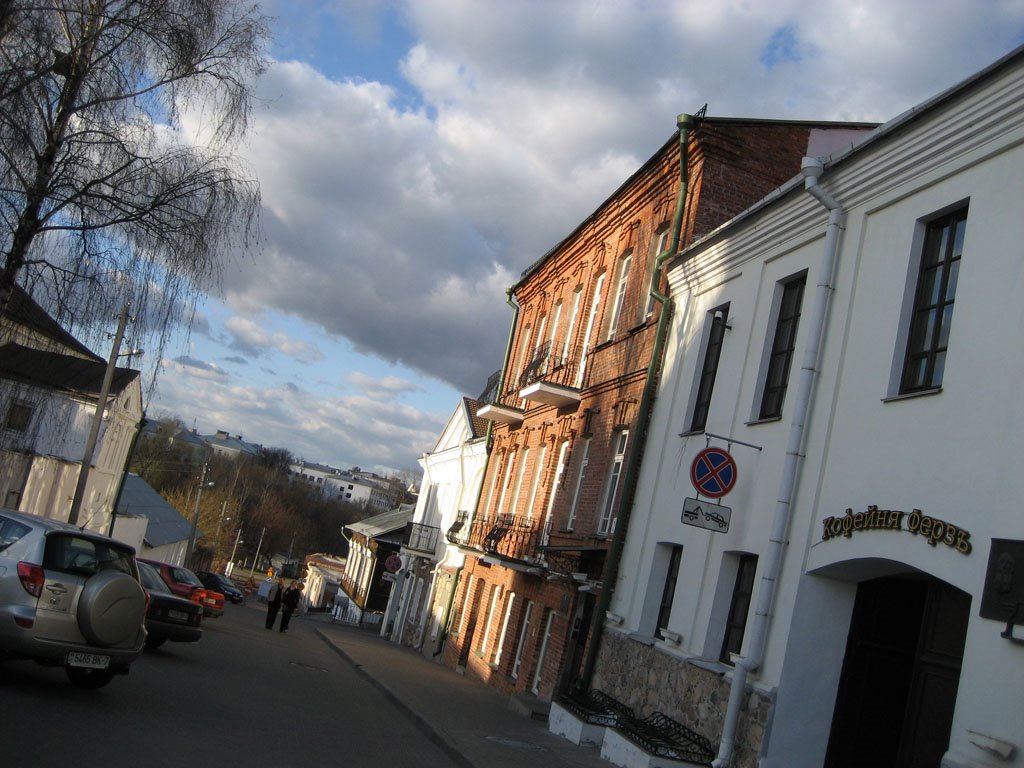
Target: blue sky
x,y
415,157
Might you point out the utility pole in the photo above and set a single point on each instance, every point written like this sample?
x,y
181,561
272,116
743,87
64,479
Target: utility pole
x,y
256,559
195,518
101,406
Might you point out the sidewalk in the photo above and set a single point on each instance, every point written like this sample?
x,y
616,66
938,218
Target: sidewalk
x,y
471,721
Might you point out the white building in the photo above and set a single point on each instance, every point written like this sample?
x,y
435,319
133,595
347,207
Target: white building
x,y
420,601
50,386
349,486
853,344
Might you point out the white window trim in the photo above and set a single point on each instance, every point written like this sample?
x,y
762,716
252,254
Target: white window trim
x,y
570,524
595,305
535,684
523,635
535,483
614,476
485,641
620,295
577,298
509,603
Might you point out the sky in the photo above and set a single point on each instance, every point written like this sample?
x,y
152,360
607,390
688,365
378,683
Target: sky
x,y
415,157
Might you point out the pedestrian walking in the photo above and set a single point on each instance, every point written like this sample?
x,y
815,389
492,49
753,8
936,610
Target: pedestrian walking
x,y
274,598
289,603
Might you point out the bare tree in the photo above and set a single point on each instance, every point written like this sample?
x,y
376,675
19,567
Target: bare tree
x,y
103,199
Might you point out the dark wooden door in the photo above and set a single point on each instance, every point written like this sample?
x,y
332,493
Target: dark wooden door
x,y
898,688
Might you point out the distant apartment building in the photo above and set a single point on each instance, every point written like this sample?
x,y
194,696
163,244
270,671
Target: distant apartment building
x,y
573,402
353,486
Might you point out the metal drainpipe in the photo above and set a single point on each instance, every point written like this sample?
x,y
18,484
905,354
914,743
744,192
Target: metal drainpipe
x,y
490,437
812,169
611,564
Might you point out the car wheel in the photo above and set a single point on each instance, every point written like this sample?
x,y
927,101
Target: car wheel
x,y
89,679
155,642
112,608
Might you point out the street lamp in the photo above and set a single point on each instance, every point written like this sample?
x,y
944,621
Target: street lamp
x,y
195,516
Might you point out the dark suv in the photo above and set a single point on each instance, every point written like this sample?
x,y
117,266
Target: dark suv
x,y
221,584
69,598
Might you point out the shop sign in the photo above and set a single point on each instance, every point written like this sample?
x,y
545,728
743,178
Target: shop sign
x,y
935,531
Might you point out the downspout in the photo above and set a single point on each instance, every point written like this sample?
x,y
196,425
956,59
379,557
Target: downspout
x,y
610,572
812,169
490,437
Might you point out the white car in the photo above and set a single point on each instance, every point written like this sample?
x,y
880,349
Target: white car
x,y
69,598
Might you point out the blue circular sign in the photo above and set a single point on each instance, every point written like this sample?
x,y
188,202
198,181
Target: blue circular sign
x,y
713,473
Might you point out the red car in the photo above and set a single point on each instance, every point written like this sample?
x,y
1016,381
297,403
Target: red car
x,y
182,582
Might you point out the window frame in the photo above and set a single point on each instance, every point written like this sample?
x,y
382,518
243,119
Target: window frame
x,y
581,476
779,363
621,291
620,441
668,590
18,407
705,384
941,253
739,606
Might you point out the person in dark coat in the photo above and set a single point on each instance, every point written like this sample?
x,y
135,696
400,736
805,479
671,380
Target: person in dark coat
x,y
274,598
289,603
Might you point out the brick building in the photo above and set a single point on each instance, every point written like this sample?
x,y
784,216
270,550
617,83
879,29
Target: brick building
x,y
571,411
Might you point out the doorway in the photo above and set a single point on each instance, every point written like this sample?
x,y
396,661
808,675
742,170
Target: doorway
x,y
897,693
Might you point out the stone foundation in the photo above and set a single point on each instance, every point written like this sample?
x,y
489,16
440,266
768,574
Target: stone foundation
x,y
649,680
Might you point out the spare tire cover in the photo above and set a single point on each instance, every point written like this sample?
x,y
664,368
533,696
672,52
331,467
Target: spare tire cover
x,y
112,608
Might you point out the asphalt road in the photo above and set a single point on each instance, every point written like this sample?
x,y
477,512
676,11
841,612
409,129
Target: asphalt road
x,y
243,696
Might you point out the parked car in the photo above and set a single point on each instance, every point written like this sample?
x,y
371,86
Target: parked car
x,y
168,617
222,584
69,598
182,582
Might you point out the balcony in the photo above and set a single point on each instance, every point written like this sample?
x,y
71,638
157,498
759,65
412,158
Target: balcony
x,y
549,378
507,539
421,538
458,533
502,413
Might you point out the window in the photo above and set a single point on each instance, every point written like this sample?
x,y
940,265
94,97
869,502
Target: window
x,y
620,295
523,461
933,303
524,633
485,640
658,244
506,481
509,604
736,621
576,495
595,305
537,673
19,415
464,613
559,472
577,297
614,474
709,370
535,483
668,591
556,320
783,347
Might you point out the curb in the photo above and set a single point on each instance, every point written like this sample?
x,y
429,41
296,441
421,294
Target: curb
x,y
418,720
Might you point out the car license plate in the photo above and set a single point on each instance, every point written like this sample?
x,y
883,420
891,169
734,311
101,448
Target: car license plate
x,y
179,615
90,660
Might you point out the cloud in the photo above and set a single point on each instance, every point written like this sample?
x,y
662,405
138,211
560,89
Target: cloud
x,y
424,153
392,385
399,228
364,429
199,369
247,336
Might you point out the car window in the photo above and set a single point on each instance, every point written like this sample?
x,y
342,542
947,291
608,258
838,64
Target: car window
x,y
11,531
185,576
77,554
151,580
